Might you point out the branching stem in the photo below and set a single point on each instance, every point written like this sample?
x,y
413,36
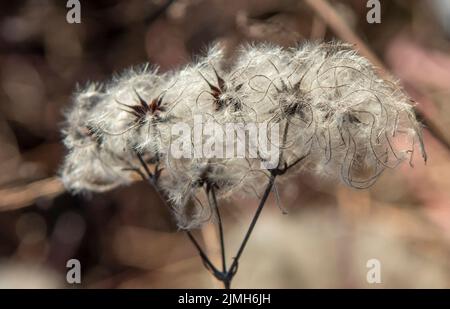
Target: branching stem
x,y
226,275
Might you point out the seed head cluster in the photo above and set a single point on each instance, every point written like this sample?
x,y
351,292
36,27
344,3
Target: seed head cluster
x,y
337,118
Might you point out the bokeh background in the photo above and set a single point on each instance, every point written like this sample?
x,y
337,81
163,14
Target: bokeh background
x,y
126,238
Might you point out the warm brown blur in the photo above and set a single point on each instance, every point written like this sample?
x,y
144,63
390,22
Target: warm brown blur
x,y
126,238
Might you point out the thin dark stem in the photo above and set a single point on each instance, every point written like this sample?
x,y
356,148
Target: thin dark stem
x,y
288,166
233,268
204,257
226,275
152,178
206,261
145,166
221,234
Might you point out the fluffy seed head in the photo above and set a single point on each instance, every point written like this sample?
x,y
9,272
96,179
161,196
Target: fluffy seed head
x,y
336,118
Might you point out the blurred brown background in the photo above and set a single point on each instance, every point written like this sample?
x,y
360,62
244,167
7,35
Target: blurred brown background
x,y
126,238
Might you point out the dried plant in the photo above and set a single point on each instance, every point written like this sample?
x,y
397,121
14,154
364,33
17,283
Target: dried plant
x,y
336,118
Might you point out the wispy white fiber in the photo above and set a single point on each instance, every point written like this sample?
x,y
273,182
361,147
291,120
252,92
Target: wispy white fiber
x,y
333,110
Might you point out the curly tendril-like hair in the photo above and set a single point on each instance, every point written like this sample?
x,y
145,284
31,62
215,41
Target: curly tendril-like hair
x,y
336,117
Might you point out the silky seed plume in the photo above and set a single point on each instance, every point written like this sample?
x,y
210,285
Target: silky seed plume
x,y
336,118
